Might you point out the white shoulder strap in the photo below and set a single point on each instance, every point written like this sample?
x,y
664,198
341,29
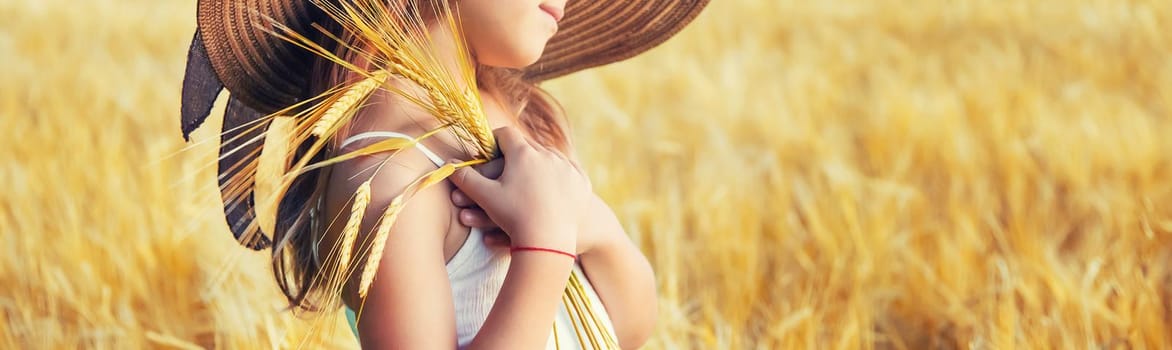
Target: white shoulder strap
x,y
372,134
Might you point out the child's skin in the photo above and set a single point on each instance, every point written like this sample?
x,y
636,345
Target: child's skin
x,y
532,196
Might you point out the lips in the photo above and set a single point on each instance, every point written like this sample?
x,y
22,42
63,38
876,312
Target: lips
x,y
554,12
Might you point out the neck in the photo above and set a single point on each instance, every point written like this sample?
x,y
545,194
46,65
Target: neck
x,y
444,46
446,50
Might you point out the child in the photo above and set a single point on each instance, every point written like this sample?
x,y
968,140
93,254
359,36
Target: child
x,y
481,260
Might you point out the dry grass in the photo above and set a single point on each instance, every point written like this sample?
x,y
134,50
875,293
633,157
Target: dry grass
x,y
846,174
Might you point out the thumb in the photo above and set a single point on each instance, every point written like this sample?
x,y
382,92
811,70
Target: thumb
x,y
473,183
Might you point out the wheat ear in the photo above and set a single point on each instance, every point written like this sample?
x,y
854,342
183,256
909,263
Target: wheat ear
x,y
350,233
271,165
346,104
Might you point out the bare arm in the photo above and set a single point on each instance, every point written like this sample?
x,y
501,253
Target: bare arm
x,y
524,311
620,273
622,277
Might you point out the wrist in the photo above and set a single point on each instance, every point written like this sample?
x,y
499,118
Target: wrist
x,y
561,240
520,248
550,262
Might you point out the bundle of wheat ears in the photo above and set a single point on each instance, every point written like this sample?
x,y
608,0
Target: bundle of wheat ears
x,y
402,49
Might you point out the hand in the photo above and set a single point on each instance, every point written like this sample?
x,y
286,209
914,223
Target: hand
x,y
472,216
539,198
470,213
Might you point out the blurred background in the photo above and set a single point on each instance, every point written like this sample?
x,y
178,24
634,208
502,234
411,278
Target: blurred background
x,y
802,174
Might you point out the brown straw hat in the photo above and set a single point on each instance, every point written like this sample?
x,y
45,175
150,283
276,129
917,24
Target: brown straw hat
x,y
264,74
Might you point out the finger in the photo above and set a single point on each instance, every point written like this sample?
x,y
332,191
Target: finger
x,y
461,200
476,218
497,238
495,241
474,185
510,139
492,241
495,233
492,169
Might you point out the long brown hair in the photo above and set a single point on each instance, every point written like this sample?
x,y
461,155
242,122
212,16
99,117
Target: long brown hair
x,y
296,266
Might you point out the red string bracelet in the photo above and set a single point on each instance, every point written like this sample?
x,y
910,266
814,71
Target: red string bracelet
x,y
540,249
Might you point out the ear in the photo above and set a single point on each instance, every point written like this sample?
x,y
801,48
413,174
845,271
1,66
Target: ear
x,y
200,88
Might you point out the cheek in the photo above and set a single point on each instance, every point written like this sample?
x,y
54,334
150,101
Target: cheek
x,y
506,33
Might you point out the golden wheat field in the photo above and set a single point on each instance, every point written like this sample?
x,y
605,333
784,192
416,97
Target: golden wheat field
x,y
802,174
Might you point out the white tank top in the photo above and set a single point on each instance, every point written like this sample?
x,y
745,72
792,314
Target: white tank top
x,y
477,271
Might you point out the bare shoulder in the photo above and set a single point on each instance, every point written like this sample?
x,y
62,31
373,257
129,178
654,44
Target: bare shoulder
x,y
392,171
414,250
387,111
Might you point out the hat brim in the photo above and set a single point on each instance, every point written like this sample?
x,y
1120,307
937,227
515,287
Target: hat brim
x,y
595,33
268,74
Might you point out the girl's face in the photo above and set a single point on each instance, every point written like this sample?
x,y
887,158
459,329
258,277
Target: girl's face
x,y
509,33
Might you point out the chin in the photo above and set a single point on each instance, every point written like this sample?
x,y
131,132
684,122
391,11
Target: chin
x,y
527,61
514,63
516,59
